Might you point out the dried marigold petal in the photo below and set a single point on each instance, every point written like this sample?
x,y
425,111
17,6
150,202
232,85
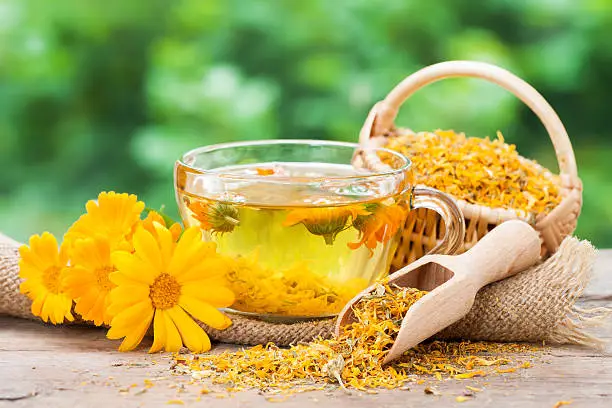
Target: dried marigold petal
x,y
471,374
354,358
261,171
479,170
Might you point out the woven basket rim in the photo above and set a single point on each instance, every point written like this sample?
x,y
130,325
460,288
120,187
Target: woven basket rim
x,y
553,224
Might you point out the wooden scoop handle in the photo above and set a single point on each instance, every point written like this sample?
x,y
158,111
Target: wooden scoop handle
x,y
508,249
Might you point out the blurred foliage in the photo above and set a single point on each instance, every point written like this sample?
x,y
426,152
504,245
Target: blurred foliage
x,y
99,95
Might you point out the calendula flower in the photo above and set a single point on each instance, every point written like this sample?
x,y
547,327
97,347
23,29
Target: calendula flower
x,y
153,216
215,217
380,225
87,281
325,221
41,266
168,283
113,215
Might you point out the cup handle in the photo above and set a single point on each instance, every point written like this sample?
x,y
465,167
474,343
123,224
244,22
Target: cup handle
x,y
443,204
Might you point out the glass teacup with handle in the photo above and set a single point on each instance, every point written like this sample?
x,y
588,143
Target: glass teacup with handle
x,y
305,224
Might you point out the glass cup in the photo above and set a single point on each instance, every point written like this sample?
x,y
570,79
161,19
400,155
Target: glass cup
x,y
305,224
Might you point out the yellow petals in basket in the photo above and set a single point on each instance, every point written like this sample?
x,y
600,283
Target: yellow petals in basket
x,y
491,182
479,171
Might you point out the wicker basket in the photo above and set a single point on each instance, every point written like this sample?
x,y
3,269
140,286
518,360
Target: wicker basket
x,y
423,228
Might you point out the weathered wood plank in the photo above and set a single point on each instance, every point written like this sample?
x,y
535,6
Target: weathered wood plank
x,y
6,240
78,366
42,365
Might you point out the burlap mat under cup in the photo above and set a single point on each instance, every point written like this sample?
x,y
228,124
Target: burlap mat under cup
x,y
535,305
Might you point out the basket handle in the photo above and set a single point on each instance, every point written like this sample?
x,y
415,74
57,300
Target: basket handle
x,y
382,116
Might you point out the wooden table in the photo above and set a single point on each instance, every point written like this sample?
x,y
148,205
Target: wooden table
x,y
76,366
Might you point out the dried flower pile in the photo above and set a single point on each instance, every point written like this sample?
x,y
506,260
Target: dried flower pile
x,y
295,291
479,171
353,359
120,270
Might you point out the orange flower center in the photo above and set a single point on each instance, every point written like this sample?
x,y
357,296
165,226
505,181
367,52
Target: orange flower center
x,y
165,292
102,279
51,279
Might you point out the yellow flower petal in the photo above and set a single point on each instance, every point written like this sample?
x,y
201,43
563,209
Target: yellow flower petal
x,y
147,250
58,313
153,218
189,250
205,313
27,270
120,279
126,294
47,309
87,281
91,253
128,318
166,243
173,338
113,215
37,304
212,267
46,247
193,336
216,296
98,313
41,267
86,302
148,286
76,277
131,293
134,338
159,332
30,260
118,298
131,267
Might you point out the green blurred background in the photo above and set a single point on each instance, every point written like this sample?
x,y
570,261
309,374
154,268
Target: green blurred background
x,y
105,95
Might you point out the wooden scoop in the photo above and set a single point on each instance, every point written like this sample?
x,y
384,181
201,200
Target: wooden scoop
x,y
452,282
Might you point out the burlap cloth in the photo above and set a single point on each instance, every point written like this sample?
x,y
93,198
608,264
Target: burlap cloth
x,y
536,305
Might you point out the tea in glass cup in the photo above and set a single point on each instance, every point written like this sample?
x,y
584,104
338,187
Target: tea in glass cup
x,y
307,224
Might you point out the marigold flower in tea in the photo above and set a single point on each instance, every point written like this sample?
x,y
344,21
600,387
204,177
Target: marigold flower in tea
x,y
87,280
325,221
41,267
168,283
113,215
381,225
215,217
479,171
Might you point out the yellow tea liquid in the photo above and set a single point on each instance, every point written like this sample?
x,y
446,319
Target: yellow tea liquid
x,y
297,252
